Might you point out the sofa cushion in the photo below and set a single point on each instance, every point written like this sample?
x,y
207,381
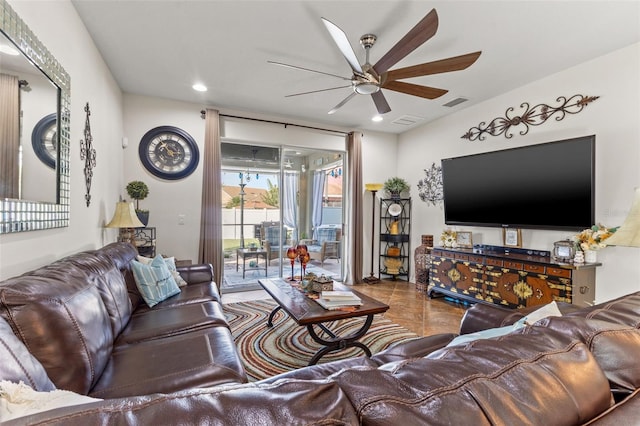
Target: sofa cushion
x,y
196,359
159,323
60,317
107,277
189,294
154,281
614,346
18,365
520,380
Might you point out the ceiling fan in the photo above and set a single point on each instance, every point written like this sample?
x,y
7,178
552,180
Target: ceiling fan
x,y
368,79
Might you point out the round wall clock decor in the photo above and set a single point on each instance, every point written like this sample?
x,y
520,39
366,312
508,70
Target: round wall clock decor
x,y
44,139
168,152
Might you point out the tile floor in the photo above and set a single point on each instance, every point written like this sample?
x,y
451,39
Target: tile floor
x,y
408,307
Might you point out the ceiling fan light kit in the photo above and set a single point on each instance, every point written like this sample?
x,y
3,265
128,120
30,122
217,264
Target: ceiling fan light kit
x,y
369,79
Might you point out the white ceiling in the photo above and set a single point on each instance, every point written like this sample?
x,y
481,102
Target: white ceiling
x,y
160,48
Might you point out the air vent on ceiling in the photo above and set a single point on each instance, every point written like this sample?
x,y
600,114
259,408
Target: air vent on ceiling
x,y
407,120
454,102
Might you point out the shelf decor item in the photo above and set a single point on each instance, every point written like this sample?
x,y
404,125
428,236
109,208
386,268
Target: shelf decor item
x,y
448,238
512,237
139,190
395,186
464,239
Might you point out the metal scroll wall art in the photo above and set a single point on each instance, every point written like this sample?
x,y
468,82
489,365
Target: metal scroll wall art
x,y
88,154
430,187
532,116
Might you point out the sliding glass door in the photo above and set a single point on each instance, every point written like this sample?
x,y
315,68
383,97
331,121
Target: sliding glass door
x,y
275,198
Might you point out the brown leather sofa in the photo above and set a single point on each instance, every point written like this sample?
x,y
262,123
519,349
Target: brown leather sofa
x,y
84,320
578,369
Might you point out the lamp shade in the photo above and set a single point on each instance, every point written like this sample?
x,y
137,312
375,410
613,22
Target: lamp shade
x,y
373,186
125,217
628,234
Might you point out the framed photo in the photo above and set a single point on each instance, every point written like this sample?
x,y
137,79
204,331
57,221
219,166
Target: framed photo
x,y
464,239
512,237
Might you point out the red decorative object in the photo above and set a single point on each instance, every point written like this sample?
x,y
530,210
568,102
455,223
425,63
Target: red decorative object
x,y
291,255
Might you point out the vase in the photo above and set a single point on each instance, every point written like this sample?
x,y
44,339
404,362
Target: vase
x,y
590,256
422,257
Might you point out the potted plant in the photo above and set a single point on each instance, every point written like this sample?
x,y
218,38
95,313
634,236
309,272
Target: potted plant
x,y
395,186
139,190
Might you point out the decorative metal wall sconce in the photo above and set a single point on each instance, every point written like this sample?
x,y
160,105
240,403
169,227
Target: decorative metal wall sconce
x,y
88,154
430,187
532,116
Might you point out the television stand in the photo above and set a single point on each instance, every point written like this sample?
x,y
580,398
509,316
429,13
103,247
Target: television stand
x,y
509,277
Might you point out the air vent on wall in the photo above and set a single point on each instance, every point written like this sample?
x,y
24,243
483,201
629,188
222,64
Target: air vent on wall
x,y
407,120
454,102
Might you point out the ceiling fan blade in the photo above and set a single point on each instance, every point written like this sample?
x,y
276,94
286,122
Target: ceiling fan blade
x,y
295,67
414,89
344,101
455,63
340,38
316,91
381,102
423,31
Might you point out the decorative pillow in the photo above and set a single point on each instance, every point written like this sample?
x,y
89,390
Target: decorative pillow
x,y
171,264
18,400
154,281
325,234
548,310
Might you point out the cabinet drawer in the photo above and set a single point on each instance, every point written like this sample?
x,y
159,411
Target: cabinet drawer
x,y
461,256
530,267
559,272
476,259
512,264
494,262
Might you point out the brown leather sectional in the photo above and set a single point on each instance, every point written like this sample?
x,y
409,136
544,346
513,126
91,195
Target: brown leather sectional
x,y
175,364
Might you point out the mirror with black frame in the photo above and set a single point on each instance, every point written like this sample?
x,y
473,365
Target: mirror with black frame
x,y
34,131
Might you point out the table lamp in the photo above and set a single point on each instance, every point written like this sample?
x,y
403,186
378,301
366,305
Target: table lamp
x,y
126,219
373,188
628,234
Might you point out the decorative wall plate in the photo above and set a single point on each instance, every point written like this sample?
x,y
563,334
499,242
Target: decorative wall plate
x,y
168,152
395,209
44,139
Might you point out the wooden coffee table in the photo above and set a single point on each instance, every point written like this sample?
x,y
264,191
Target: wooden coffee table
x,y
307,312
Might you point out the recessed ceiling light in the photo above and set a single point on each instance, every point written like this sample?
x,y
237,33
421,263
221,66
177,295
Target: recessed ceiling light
x,y
376,118
199,87
8,50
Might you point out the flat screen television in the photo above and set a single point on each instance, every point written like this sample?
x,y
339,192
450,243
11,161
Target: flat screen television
x,y
544,186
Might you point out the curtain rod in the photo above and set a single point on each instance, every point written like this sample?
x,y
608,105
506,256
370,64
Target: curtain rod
x,y
203,114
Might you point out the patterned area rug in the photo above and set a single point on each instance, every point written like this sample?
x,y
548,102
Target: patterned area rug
x,y
287,346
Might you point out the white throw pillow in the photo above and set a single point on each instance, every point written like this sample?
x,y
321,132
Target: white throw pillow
x,y
18,400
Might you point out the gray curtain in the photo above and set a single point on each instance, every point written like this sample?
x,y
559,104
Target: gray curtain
x,y
9,136
210,250
319,178
353,240
289,204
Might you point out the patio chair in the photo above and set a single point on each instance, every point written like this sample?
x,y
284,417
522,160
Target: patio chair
x,y
327,245
272,241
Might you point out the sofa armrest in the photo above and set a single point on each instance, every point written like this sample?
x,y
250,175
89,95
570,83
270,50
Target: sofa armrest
x,y
194,274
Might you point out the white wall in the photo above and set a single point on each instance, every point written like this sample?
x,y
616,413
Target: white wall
x,y
613,118
59,28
